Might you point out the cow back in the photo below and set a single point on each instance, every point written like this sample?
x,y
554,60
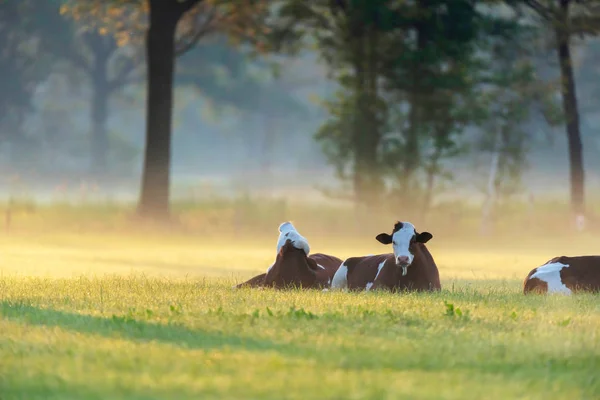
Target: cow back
x,y
582,273
329,264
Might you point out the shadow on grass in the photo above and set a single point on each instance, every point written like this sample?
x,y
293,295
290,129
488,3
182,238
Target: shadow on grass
x,y
132,329
575,368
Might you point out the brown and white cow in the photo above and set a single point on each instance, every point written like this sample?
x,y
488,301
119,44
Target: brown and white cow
x,y
565,275
293,266
410,267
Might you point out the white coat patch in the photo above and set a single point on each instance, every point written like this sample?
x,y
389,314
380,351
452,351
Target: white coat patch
x,y
381,264
379,268
288,231
340,279
320,266
550,273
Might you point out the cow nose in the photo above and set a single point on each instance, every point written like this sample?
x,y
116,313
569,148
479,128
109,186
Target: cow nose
x,y
402,260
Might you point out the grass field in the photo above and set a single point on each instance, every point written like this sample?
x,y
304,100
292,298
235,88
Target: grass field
x,y
99,316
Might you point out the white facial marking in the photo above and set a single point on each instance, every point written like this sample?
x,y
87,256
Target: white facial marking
x,y
288,231
401,242
340,279
368,286
550,273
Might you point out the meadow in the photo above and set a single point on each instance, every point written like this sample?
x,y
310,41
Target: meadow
x,y
94,305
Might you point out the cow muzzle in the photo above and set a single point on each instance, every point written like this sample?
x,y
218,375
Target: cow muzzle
x,y
403,262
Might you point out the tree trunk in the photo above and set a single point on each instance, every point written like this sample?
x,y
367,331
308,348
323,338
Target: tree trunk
x,y
360,164
569,98
412,153
268,146
99,141
490,202
366,135
101,49
431,171
160,53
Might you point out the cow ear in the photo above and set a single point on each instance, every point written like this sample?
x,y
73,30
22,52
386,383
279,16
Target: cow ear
x,y
424,237
384,238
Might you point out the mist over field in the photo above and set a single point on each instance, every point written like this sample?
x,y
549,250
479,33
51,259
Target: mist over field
x,y
218,150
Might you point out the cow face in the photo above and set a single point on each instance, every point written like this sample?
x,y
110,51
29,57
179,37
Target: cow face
x,y
404,238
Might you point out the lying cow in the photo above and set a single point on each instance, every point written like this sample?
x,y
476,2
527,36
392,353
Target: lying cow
x,y
409,267
565,275
294,266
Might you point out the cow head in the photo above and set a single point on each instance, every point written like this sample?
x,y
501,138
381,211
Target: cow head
x,y
288,231
404,239
292,267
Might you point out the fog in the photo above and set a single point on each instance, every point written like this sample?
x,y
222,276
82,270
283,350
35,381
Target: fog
x,y
221,150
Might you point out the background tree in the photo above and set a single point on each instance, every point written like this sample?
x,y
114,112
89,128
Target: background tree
x,y
107,66
402,69
430,80
24,64
567,19
196,18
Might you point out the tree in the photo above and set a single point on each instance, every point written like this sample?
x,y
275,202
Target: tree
x,y
397,94
22,36
431,79
353,38
196,19
567,19
160,51
107,66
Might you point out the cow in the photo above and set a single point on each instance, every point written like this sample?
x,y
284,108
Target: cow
x,y
564,275
410,267
294,266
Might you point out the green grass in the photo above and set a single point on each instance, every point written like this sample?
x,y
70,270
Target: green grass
x,y
96,316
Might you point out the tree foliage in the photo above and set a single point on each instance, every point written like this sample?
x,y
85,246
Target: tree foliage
x,y
410,75
127,20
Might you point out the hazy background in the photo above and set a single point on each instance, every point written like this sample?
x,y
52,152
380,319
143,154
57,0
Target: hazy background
x,y
230,150
242,133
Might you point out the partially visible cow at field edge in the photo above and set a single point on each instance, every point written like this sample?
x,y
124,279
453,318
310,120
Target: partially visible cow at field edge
x,y
410,267
293,266
565,275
